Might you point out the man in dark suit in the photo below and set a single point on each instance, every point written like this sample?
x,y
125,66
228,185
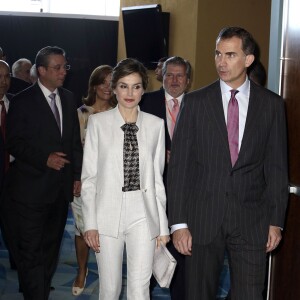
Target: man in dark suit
x,y
43,136
176,79
227,181
4,103
4,156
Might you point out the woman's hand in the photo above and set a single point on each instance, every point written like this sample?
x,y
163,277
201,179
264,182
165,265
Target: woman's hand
x,y
162,239
91,237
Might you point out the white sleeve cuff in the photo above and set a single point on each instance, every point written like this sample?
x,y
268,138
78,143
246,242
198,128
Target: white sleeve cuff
x,y
178,226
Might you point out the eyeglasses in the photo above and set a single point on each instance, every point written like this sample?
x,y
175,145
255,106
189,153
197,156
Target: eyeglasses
x,y
57,68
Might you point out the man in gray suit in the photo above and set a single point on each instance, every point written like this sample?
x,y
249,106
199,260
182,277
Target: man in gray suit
x,y
227,179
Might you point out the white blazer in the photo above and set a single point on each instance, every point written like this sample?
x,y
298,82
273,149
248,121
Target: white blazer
x,y
102,172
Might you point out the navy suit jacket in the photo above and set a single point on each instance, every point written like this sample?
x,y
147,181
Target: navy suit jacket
x,y
154,103
32,134
202,183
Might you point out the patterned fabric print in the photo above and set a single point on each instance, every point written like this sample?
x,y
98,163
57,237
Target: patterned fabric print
x,y
131,158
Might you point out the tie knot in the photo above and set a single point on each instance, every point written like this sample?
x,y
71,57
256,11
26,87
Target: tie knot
x,y
52,96
175,101
233,93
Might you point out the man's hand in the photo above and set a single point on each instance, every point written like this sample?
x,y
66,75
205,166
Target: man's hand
x,y
91,237
57,161
77,188
274,238
182,240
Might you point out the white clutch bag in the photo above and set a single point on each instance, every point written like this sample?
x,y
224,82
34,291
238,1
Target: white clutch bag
x,y
164,265
77,214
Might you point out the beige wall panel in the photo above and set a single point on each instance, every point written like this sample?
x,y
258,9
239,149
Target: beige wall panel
x,y
194,25
253,15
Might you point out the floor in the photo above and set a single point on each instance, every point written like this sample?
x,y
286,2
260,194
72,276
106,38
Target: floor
x,y
66,272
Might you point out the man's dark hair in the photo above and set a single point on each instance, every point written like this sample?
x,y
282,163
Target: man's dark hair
x,y
257,73
42,57
248,42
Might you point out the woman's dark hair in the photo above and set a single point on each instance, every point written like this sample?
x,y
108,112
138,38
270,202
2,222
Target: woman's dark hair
x,y
127,67
97,77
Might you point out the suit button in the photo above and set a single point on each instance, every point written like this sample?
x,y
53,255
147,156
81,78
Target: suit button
x,y
226,194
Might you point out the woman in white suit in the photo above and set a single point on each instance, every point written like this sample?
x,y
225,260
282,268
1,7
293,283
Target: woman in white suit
x,y
123,195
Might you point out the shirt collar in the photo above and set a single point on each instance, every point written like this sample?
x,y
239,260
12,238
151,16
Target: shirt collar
x,y
169,97
243,89
46,91
5,99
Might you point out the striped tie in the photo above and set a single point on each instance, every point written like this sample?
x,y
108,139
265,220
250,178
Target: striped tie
x,y
55,109
233,127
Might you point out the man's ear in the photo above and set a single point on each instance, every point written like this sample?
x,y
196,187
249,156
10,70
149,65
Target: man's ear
x,y
249,60
41,70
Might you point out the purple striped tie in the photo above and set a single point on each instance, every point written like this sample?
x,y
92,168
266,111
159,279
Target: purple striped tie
x,y
233,126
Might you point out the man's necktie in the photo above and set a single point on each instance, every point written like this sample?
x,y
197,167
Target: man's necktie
x,y
3,132
55,109
131,158
174,114
233,127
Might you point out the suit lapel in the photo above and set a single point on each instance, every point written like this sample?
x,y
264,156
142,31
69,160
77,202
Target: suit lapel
x,y
216,111
46,112
118,141
162,113
64,109
142,142
254,108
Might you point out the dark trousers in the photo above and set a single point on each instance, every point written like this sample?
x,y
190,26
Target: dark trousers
x,y
35,234
246,262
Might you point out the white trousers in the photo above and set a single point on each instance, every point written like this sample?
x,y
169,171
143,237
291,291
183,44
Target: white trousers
x,y
134,233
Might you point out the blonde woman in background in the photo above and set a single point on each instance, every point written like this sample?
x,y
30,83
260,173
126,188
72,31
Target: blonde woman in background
x,y
99,99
